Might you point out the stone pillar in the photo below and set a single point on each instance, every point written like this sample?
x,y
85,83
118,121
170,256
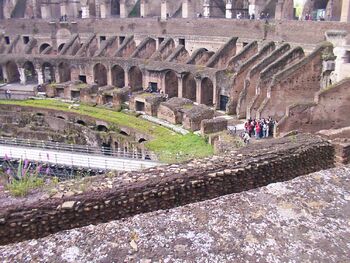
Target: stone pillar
x,y
163,10
185,9
206,8
40,75
85,11
4,73
345,11
179,86
126,77
103,11
144,8
123,11
63,8
228,9
109,77
22,76
198,90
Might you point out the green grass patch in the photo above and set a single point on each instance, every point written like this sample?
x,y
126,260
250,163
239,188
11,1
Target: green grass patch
x,y
20,188
168,145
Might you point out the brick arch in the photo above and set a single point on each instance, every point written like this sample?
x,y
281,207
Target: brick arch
x,y
43,47
48,72
171,84
207,91
64,72
12,72
118,76
189,88
30,72
100,74
135,78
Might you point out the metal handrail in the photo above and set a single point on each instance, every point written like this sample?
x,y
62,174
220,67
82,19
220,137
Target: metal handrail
x,y
103,151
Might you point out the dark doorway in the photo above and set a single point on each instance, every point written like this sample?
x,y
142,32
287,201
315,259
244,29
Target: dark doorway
x,y
140,106
82,78
223,102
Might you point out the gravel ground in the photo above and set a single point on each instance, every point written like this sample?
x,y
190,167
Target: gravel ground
x,y
303,220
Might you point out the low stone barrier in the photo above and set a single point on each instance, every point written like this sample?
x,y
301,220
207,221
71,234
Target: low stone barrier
x,y
213,125
170,186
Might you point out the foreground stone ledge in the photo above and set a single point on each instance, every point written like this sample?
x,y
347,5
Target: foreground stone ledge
x,y
169,186
301,220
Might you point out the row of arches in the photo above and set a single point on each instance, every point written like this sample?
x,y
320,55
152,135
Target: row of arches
x,y
100,75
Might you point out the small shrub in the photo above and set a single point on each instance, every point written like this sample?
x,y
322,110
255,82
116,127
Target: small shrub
x,y
20,188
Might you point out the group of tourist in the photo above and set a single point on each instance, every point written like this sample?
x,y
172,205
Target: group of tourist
x,y
260,128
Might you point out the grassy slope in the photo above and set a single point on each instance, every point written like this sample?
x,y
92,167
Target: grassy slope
x,y
168,145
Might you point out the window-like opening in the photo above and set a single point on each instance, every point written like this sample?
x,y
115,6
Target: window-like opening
x,y
123,133
82,78
160,40
121,40
182,41
141,140
81,122
60,92
223,102
75,94
7,40
25,39
61,117
40,114
60,47
102,128
106,149
109,98
140,106
245,43
102,38
153,86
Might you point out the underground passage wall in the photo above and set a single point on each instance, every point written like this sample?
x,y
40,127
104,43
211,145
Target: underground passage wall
x,y
168,186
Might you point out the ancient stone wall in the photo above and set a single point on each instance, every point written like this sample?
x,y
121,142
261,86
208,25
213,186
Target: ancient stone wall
x,y
213,125
168,186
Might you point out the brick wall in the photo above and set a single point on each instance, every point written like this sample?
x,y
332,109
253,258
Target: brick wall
x,y
169,186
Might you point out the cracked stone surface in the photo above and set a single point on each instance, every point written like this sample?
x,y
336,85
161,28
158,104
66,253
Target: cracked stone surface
x,y
303,220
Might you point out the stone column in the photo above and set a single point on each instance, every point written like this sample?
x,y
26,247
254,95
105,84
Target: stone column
x,y
40,75
345,11
163,10
85,11
144,8
179,85
126,77
206,8
123,11
22,76
109,76
198,90
228,9
185,9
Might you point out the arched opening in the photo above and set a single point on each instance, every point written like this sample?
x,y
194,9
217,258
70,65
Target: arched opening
x,y
40,114
60,47
64,72
189,89
30,72
171,84
48,73
207,90
43,47
118,76
81,122
102,128
115,8
135,79
12,72
106,149
320,4
123,133
60,117
100,74
141,140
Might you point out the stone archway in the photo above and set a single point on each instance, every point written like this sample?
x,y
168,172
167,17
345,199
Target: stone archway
x,y
207,90
115,8
30,72
64,72
171,84
135,78
118,76
189,88
12,72
100,74
48,73
43,47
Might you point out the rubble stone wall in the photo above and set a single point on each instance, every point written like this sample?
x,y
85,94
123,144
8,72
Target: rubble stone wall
x,y
174,185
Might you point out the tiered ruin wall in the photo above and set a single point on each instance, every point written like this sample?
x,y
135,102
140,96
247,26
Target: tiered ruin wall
x,y
168,186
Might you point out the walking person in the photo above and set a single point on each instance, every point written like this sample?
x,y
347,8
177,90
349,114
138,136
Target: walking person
x,y
8,94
